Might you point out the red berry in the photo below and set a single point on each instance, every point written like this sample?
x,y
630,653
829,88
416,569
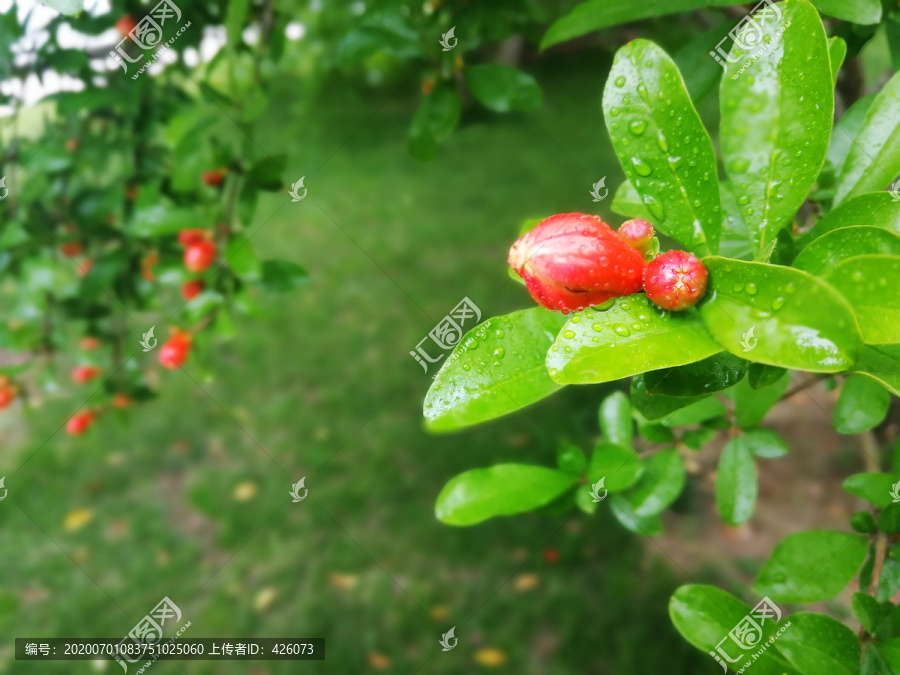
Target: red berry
x,y
131,193
175,352
551,555
214,177
192,236
79,423
7,396
675,280
71,248
121,401
571,261
72,144
638,234
199,256
89,343
125,25
82,374
84,267
191,289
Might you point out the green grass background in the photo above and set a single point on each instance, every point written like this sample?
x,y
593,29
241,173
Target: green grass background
x,y
320,380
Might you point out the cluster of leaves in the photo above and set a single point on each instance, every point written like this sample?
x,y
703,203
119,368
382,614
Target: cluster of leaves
x,y
103,181
803,254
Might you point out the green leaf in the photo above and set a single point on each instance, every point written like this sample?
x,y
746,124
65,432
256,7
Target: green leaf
x,y
705,615
760,376
862,405
584,499
889,582
774,133
871,284
461,395
863,522
235,19
708,376
503,89
876,209
655,406
660,483
435,119
618,464
751,405
765,443
241,258
875,488
735,241
815,643
655,433
630,337
266,173
868,610
696,413
681,195
246,203
874,158
280,276
627,202
159,220
624,513
889,519
736,485
592,15
787,317
697,438
501,490
570,458
65,6
615,418
882,364
811,566
838,245
837,52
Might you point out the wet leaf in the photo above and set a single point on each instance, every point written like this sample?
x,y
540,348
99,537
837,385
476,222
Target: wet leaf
x,y
870,285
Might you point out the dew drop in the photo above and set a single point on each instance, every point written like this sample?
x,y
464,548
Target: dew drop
x,y
751,288
597,326
621,330
637,127
641,167
620,81
569,334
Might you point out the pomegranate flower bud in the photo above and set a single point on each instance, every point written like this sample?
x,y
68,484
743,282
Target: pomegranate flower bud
x,y
572,261
638,234
675,280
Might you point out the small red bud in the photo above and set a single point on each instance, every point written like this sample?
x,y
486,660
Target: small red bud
x,y
71,248
638,234
121,401
571,261
551,555
79,423
191,289
125,25
82,374
89,343
7,396
199,256
175,352
675,280
214,177
192,236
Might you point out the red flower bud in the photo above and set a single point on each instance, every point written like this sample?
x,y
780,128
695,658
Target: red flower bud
x,y
675,280
7,396
121,400
82,374
638,234
71,249
192,236
126,24
175,352
199,256
79,423
191,289
214,177
572,260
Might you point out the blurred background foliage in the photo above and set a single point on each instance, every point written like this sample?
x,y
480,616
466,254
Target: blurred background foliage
x,y
181,497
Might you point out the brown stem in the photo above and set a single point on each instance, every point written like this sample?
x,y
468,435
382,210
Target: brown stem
x,y
802,387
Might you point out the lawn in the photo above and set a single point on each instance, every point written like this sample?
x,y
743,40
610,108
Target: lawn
x,y
188,496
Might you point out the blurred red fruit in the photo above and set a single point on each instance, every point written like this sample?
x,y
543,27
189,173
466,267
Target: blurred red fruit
x,y
675,280
191,289
175,352
147,266
572,261
121,401
638,234
79,423
89,343
72,145
7,396
192,236
214,177
71,248
199,256
84,267
82,374
131,193
551,555
125,25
